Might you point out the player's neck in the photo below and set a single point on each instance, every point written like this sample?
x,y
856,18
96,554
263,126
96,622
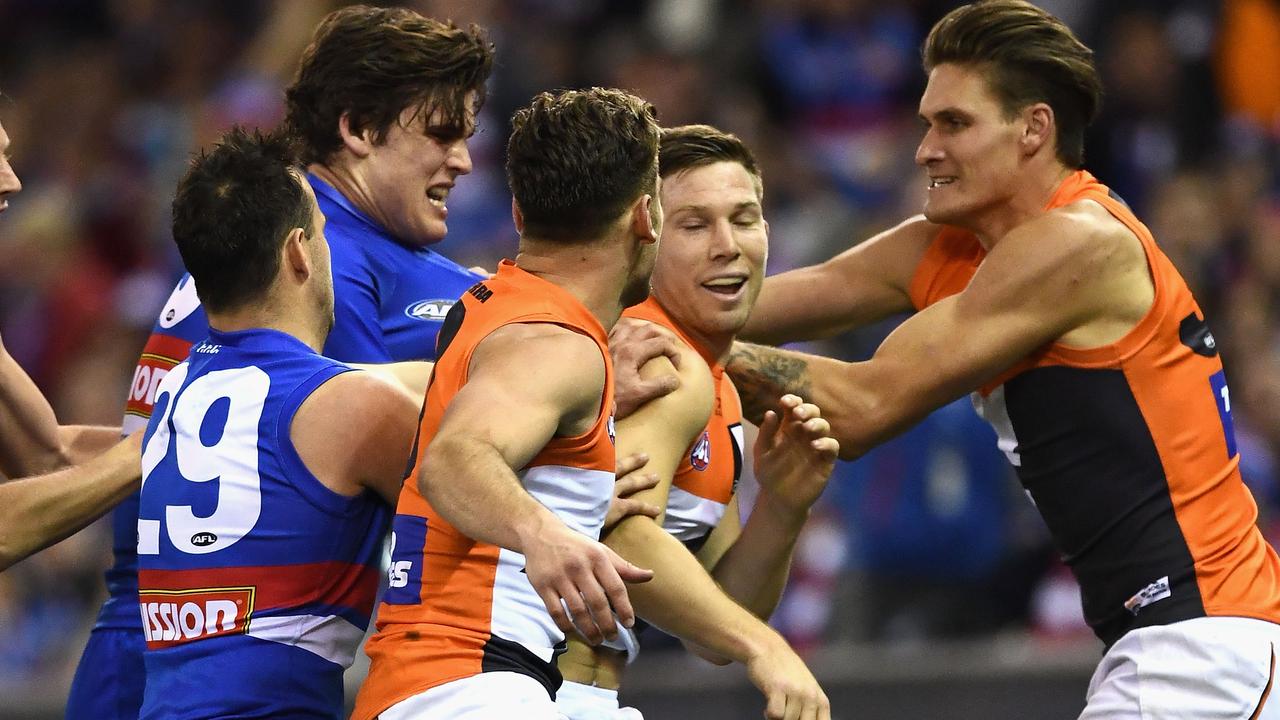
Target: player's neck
x,y
296,324
351,186
594,272
1033,194
709,344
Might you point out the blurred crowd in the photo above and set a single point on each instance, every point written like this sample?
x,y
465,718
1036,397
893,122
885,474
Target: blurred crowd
x,y
928,536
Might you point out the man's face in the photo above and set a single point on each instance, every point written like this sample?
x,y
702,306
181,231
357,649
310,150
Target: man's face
x,y
970,151
408,177
714,246
9,183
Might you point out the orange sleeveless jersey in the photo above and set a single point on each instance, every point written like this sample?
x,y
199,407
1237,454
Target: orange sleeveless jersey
x,y
1128,450
454,606
708,475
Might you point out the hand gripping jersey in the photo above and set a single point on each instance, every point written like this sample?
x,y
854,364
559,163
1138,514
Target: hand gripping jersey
x,y
708,476
389,301
1128,450
254,589
455,606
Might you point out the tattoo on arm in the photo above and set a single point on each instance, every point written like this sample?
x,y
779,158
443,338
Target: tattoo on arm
x,y
764,374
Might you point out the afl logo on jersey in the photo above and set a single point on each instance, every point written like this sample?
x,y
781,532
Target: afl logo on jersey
x,y
429,309
203,539
181,303
613,434
700,457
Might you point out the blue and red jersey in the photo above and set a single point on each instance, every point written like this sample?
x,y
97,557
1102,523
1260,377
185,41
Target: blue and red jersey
x,y
390,301
252,575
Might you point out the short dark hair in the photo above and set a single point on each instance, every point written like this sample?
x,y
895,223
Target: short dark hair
x,y
232,212
577,158
690,146
1030,56
373,63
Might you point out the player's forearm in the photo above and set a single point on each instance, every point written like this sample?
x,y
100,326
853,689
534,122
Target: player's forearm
x,y
30,443
682,599
468,482
754,570
39,511
85,442
865,403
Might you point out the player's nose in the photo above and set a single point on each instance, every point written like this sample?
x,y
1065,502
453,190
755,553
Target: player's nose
x,y
9,182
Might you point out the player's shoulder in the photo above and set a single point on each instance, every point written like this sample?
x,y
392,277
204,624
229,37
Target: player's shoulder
x,y
543,347
896,252
1086,234
355,400
688,365
915,229
909,237
695,393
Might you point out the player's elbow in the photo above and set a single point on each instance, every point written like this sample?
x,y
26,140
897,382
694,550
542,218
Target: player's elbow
x,y
428,474
37,461
441,465
863,422
11,550
705,654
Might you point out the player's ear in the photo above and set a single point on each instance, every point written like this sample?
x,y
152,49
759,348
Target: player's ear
x,y
294,259
359,144
1039,130
646,219
517,217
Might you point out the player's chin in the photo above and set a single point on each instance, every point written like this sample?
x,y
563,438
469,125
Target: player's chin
x,y
430,231
940,213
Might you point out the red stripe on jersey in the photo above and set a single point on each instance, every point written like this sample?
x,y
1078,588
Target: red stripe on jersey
x,y
159,356
278,586
167,346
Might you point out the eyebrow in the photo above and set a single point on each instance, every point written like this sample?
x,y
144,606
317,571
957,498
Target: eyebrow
x,y
744,205
947,113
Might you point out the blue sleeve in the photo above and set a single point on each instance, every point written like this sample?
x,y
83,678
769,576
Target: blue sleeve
x,y
357,330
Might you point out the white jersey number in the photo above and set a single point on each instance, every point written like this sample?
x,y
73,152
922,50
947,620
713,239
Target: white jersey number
x,y
232,460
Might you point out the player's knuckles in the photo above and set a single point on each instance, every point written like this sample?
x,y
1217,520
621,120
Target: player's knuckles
x,y
817,425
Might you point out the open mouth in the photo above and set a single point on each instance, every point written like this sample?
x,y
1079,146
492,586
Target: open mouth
x,y
937,182
727,286
438,194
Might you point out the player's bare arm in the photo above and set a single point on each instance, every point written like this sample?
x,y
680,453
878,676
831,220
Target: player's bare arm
x,y
375,418
682,598
31,441
37,512
527,384
1070,276
82,442
663,429
864,284
794,455
632,478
